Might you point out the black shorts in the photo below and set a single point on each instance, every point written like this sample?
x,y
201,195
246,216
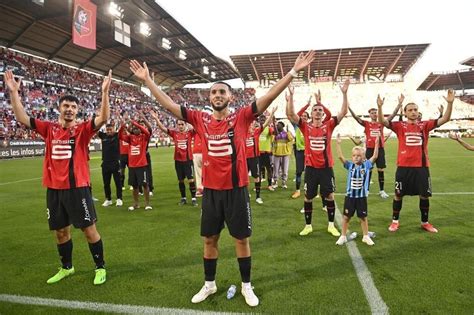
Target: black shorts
x,y
323,177
230,206
380,162
413,181
123,161
253,164
299,156
137,176
264,160
70,206
351,205
184,169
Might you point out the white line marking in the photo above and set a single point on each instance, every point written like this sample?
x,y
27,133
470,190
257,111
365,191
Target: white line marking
x,y
36,178
376,303
101,307
435,193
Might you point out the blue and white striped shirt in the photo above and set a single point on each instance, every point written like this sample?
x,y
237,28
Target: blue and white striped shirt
x,y
358,179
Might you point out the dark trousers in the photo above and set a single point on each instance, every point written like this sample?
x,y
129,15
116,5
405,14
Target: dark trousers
x,y
110,169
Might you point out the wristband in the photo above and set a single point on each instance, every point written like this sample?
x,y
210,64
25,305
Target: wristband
x,y
293,73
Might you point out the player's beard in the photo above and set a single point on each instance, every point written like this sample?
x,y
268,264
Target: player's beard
x,y
221,107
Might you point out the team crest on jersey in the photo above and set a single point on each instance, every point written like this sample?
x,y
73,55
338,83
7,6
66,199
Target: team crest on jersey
x,y
362,172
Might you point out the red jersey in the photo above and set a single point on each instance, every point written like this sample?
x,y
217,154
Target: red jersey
x,y
413,142
182,144
197,144
137,147
223,151
372,131
123,147
66,156
317,150
251,143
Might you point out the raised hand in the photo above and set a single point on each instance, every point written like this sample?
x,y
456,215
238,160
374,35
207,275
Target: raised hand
x,y
450,97
338,139
380,100
309,100
303,60
106,83
345,86
13,86
139,71
441,109
453,136
318,97
401,98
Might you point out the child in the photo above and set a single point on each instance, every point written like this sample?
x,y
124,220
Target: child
x,y
357,189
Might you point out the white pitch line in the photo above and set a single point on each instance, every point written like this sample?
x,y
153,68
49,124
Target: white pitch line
x,y
101,307
435,193
376,303
35,178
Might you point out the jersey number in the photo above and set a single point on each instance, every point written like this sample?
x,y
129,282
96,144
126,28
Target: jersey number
x,y
413,141
317,145
135,150
219,147
61,152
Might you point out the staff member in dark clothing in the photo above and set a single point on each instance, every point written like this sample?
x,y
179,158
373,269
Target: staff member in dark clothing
x,y
111,164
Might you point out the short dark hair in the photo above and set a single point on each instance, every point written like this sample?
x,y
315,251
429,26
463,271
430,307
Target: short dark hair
x,y
108,125
373,108
68,98
222,82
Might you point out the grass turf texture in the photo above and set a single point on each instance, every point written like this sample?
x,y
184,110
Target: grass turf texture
x,y
154,258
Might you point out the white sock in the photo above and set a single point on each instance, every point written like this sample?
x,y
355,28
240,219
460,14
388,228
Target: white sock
x,y
330,224
395,221
246,285
210,284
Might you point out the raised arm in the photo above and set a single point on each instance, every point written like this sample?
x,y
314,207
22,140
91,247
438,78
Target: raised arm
x,y
143,118
158,122
339,149
345,103
376,150
447,114
290,108
441,111
18,109
457,137
357,118
104,113
142,129
399,106
381,119
304,108
142,72
356,142
269,119
301,62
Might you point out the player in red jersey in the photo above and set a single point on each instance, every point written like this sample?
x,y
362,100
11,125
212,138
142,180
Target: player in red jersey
x,y
252,152
412,177
66,174
183,162
373,130
318,157
137,161
225,174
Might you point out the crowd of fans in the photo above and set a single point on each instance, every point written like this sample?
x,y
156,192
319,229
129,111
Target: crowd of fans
x,y
45,82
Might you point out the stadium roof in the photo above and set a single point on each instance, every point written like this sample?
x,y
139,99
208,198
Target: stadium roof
x,y
332,64
468,62
457,80
45,30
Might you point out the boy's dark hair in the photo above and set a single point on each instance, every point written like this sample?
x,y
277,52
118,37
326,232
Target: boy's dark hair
x,y
68,98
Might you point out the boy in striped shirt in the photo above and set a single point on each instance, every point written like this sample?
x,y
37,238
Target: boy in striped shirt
x,y
357,189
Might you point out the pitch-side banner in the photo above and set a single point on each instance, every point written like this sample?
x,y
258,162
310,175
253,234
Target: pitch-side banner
x,y
84,24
